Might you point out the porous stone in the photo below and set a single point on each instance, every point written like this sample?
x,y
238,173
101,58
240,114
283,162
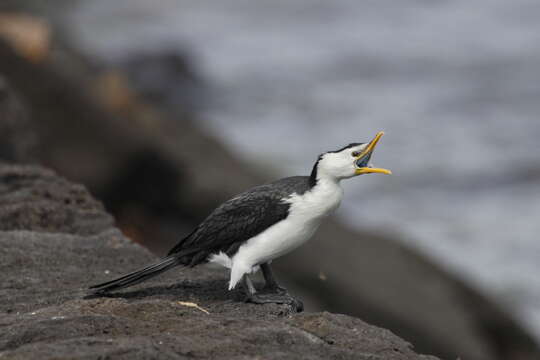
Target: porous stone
x,y
47,313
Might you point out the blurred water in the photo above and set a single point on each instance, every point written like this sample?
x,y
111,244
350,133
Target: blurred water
x,y
455,84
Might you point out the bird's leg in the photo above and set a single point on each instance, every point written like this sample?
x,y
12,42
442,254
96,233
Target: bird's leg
x,y
271,283
248,285
270,298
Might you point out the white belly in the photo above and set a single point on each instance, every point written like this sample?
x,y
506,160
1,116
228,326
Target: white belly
x,y
277,240
305,215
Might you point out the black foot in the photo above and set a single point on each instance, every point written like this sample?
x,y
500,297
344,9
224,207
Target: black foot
x,y
273,298
274,289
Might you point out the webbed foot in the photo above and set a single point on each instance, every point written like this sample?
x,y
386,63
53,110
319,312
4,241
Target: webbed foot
x,y
276,298
274,289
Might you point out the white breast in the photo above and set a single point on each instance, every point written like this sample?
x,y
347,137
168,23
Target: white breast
x,y
305,215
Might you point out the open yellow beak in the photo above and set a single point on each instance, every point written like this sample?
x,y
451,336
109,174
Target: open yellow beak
x,y
367,154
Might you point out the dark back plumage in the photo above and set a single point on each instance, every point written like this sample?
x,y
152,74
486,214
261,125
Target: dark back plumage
x,y
224,230
239,219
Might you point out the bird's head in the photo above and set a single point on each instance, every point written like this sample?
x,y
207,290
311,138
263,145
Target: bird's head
x,y
349,161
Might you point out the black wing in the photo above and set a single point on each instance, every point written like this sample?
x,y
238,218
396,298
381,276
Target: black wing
x,y
238,220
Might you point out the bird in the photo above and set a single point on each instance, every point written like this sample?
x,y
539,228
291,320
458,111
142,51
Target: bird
x,y
247,232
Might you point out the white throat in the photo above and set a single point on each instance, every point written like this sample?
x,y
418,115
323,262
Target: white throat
x,y
323,198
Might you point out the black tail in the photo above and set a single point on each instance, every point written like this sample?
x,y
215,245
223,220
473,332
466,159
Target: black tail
x,y
137,276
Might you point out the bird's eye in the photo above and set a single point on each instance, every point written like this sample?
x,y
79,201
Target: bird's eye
x,y
355,153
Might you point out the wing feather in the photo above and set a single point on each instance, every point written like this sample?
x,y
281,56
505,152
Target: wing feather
x,y
233,223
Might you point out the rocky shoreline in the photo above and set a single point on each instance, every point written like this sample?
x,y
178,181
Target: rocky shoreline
x,y
150,168
46,312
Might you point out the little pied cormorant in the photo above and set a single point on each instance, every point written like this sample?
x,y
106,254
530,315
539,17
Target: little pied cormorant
x,y
248,231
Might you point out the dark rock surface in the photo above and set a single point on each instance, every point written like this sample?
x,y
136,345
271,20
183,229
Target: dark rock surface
x,y
45,313
32,198
160,175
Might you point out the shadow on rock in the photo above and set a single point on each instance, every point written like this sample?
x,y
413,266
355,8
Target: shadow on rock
x,y
205,290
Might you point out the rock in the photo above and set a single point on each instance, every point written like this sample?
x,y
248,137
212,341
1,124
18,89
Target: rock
x,y
17,136
28,35
46,313
166,78
33,198
138,161
160,175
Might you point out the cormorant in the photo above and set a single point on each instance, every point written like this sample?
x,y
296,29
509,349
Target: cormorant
x,y
261,224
